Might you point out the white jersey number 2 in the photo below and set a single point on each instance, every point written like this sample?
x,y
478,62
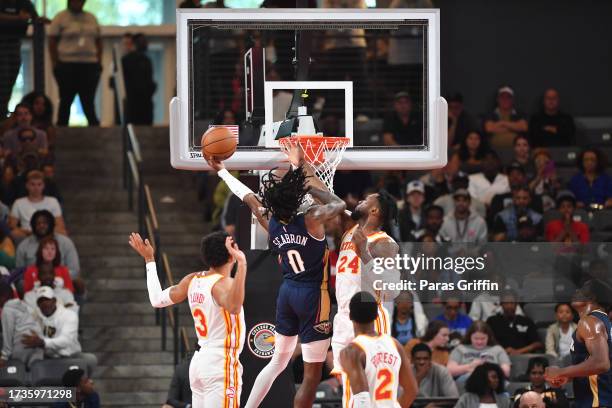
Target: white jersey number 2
x,y
295,260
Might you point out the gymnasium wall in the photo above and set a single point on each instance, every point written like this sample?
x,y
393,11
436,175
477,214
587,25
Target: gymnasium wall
x,y
530,45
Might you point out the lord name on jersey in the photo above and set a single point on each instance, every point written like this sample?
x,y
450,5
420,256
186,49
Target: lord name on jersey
x,y
284,239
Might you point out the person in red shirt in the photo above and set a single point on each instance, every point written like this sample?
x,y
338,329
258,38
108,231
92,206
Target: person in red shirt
x,y
566,229
48,252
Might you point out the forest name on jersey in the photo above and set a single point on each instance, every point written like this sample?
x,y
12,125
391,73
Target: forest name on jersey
x,y
284,239
384,358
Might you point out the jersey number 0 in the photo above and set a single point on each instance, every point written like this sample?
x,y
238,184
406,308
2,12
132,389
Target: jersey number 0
x,y
295,260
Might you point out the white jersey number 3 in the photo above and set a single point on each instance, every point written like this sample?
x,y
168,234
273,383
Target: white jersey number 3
x,y
295,260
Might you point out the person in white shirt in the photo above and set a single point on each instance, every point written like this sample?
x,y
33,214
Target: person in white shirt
x,y
25,207
486,185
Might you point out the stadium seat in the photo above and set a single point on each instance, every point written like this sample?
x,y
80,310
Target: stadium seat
x,y
596,137
520,363
541,313
542,334
565,156
13,374
514,386
432,310
49,372
602,220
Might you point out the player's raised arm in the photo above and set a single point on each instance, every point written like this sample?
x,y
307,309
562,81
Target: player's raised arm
x,y
352,359
593,333
228,292
241,191
157,296
406,378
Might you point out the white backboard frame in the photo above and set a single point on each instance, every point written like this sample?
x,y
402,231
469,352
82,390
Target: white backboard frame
x,y
383,158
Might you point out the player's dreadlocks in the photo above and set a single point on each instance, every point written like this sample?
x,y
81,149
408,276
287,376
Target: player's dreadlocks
x,y
388,209
282,197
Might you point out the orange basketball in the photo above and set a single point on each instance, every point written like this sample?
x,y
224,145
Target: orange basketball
x,y
218,143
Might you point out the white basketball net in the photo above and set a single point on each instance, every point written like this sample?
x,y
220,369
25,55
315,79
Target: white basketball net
x,y
322,153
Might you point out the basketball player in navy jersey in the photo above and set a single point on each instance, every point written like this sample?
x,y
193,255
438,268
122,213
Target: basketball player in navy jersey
x,y
591,350
303,303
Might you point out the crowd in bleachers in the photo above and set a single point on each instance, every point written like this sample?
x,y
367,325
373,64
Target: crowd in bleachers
x,y
41,289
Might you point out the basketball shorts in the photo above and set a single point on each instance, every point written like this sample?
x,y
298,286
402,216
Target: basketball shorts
x,y
215,377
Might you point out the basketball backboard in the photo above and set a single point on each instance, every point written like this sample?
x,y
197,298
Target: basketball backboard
x,y
354,72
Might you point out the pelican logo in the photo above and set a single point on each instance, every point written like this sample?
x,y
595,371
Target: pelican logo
x,y
323,327
261,340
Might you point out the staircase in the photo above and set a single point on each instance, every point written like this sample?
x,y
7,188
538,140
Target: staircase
x,y
117,322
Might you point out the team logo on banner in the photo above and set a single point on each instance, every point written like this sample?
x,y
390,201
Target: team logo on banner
x,y
261,340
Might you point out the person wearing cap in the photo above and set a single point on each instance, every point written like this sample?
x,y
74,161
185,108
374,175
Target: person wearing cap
x,y
504,123
59,327
463,225
550,126
506,222
447,202
86,395
516,177
46,277
411,217
567,229
402,126
485,185
460,122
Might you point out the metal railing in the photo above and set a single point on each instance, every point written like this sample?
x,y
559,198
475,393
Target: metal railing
x,y
140,199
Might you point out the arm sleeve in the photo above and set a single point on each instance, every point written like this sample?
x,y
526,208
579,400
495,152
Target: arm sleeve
x,y
67,335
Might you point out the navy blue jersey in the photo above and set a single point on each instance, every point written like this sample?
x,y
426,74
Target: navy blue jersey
x,y
595,390
302,257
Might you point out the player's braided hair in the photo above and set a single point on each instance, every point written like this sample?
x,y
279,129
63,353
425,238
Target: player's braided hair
x,y
282,197
388,209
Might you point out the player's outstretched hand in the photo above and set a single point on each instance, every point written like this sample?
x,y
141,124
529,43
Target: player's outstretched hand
x,y
215,164
232,248
144,248
295,154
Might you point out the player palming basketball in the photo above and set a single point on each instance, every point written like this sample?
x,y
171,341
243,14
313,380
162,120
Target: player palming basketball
x,y
215,300
303,303
375,364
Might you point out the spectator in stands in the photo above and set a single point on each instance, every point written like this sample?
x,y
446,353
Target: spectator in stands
x,y
517,334
504,123
436,337
75,48
17,321
551,127
8,184
15,17
42,115
139,84
530,400
559,334
48,253
59,327
411,217
86,395
550,397
522,155
403,326
433,379
179,394
434,217
485,185
485,388
566,229
479,346
402,127
47,277
457,322
447,202
516,178
24,208
24,136
462,225
7,248
486,304
472,151
42,225
460,122
546,183
438,182
592,186
505,224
